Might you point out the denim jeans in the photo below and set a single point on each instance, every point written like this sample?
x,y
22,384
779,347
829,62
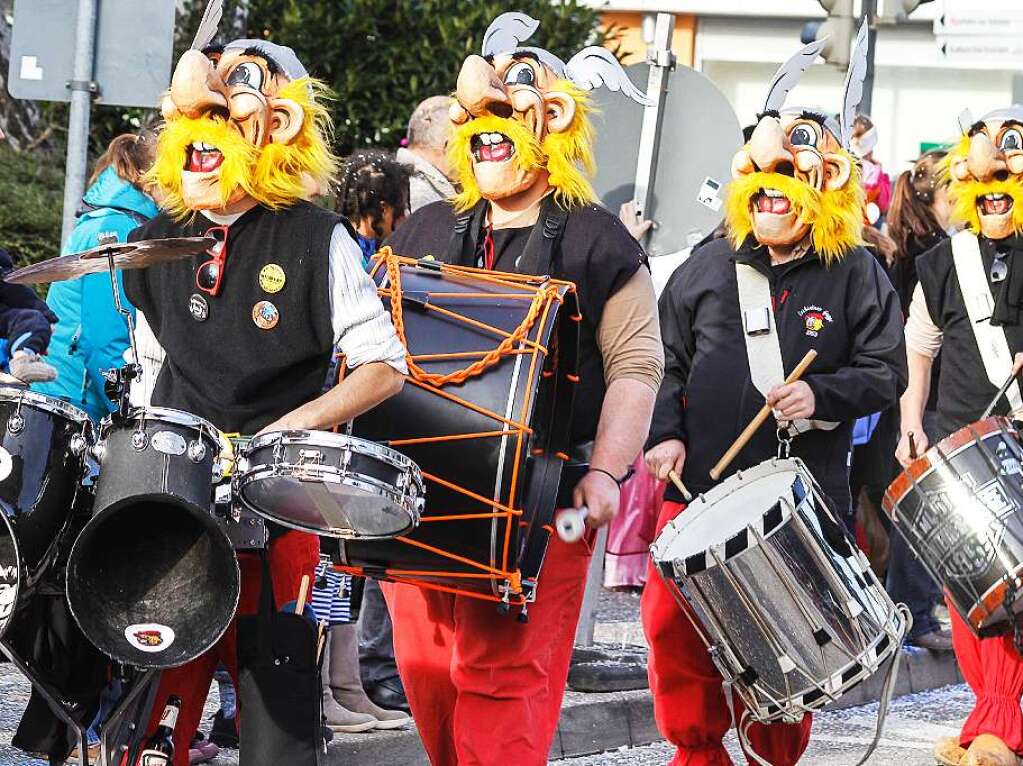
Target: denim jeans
x,y
376,638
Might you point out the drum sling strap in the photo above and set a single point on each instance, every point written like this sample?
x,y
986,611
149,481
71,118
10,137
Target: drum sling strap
x,y
991,341
541,256
760,331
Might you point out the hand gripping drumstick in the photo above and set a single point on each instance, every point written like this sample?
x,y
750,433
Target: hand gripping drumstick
x,y
1016,368
759,420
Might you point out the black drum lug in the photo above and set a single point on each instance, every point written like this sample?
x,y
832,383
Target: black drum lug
x,y
139,441
196,451
78,445
16,423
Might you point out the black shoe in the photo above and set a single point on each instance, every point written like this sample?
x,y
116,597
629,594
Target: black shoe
x,y
224,732
388,694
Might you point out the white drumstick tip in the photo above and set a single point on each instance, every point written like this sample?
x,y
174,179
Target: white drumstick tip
x,y
570,524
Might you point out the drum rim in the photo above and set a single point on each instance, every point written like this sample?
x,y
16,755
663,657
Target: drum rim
x,y
51,404
364,447
719,492
951,445
164,415
405,503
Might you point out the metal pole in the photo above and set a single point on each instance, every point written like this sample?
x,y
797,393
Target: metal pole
x,y
662,62
594,586
870,14
82,89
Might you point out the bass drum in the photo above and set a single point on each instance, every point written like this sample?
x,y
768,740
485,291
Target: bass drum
x,y
42,464
493,361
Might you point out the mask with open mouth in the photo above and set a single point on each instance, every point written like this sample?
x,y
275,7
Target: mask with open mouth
x,y
985,172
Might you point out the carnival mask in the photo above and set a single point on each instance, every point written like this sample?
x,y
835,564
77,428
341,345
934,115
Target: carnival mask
x,y
242,121
795,178
521,116
985,172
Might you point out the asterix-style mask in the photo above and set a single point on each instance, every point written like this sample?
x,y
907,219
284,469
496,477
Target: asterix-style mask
x,y
795,178
521,116
985,171
241,121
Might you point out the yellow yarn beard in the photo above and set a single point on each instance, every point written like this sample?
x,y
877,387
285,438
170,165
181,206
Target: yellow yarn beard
x,y
835,217
567,156
964,194
275,175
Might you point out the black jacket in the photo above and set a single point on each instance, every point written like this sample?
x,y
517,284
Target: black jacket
x,y
707,397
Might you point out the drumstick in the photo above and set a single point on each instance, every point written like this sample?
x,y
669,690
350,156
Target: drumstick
x,y
571,524
677,481
912,446
1016,368
759,420
303,591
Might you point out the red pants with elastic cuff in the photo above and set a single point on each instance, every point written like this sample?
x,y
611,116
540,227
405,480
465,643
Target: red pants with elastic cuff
x,y
292,555
689,701
484,688
994,670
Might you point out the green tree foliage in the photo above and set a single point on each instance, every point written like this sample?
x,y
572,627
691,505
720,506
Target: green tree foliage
x,y
33,193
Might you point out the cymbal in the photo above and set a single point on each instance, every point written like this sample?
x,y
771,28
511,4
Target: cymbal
x,y
125,255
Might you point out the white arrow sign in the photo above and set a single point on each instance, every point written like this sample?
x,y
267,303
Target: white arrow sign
x,y
987,23
1006,50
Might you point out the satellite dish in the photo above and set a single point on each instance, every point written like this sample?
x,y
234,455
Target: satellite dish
x,y
699,136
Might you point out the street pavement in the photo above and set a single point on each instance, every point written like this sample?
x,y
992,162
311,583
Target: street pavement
x,y
839,738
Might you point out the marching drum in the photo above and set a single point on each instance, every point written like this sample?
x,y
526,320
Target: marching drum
x,y
152,577
789,608
43,442
485,414
330,484
960,508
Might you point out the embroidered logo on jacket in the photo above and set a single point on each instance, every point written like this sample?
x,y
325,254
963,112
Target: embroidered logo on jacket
x,y
815,319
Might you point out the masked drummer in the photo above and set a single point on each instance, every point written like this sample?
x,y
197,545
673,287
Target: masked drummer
x,y
736,318
968,304
248,328
484,688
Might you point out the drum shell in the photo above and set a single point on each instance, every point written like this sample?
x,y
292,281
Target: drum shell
x,y
42,465
963,523
463,474
817,604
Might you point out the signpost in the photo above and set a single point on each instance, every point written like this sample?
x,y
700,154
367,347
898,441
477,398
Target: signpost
x,y
981,31
116,52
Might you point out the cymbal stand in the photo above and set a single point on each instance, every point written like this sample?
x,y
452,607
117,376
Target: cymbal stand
x,y
122,733
119,379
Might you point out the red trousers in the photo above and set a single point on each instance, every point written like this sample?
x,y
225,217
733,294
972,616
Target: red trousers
x,y
484,688
994,670
292,555
689,701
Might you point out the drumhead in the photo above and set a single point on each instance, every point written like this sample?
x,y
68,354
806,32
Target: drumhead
x,y
738,502
43,402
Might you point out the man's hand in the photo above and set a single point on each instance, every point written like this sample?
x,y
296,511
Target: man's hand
x,y
920,444
599,494
794,401
636,225
667,456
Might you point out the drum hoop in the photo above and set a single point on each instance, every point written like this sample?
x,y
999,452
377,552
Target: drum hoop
x,y
165,415
331,475
43,402
924,465
364,447
705,502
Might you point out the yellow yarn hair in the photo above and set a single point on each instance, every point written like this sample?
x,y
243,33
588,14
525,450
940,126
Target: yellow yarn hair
x,y
568,156
964,194
835,217
277,175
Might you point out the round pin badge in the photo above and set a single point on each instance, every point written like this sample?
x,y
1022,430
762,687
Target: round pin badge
x,y
265,315
272,278
198,308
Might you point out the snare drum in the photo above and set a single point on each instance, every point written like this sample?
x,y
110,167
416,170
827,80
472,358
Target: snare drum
x,y
789,608
43,442
152,578
960,509
330,484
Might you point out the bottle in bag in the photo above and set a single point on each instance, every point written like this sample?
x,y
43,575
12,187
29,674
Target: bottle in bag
x,y
159,748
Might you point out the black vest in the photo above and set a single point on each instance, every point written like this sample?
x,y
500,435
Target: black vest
x,y
226,368
964,390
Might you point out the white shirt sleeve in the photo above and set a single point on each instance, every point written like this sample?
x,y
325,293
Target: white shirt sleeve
x,y
922,335
362,328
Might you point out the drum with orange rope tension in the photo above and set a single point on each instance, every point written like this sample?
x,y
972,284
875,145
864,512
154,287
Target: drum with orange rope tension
x,y
485,413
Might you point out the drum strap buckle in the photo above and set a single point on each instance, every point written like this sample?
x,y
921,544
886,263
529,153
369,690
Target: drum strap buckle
x,y
784,443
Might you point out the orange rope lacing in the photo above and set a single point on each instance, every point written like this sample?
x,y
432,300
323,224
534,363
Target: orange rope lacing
x,y
506,347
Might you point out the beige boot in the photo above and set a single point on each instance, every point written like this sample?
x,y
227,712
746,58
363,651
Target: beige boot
x,y
339,718
347,685
989,750
948,752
